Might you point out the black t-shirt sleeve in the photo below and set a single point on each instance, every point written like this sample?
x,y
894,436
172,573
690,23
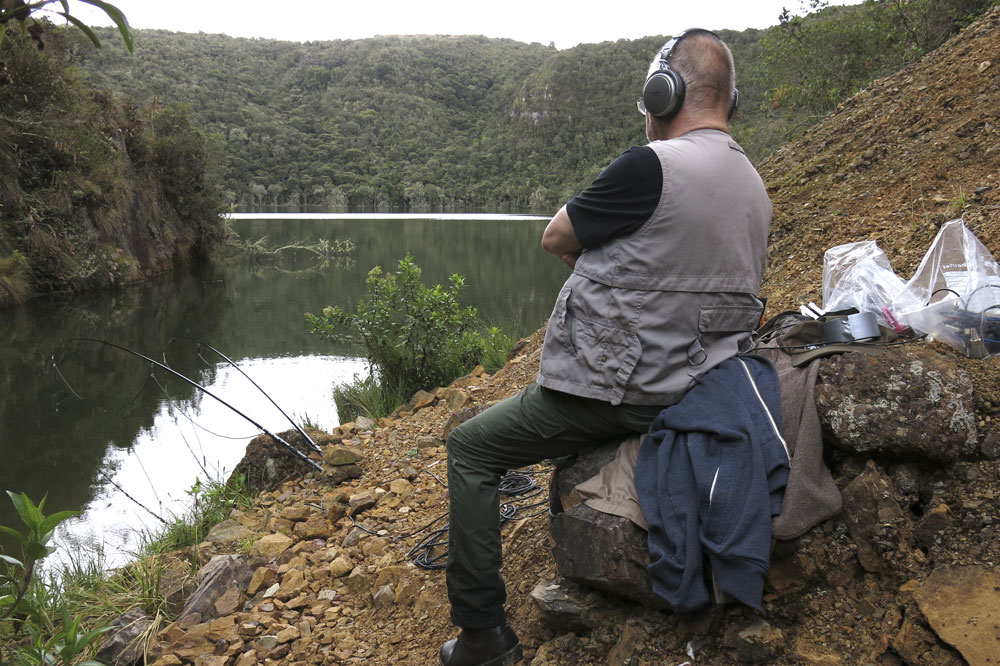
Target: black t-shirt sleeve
x,y
621,199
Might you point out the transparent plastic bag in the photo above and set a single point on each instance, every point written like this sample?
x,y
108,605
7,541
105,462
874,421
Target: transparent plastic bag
x,y
858,275
954,296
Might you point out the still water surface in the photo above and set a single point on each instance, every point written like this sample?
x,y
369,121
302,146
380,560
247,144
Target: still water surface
x,y
103,432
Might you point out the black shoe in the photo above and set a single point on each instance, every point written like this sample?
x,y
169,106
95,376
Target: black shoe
x,y
496,646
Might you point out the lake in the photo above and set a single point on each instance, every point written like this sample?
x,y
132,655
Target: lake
x,y
112,435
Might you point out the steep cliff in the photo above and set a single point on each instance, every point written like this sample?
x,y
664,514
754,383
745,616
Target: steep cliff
x,y
96,191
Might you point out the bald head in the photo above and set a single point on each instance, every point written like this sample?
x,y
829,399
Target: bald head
x,y
706,64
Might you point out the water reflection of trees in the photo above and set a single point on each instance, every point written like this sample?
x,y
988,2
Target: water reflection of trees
x,y
66,400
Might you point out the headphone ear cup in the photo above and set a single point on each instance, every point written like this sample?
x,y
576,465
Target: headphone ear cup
x,y
663,93
734,106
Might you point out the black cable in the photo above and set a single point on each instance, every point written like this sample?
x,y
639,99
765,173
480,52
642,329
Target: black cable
x,y
516,483
936,291
425,558
436,477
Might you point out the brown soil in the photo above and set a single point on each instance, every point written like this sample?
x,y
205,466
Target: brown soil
x,y
891,164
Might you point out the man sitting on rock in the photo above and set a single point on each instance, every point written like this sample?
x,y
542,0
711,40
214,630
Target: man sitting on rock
x,y
667,248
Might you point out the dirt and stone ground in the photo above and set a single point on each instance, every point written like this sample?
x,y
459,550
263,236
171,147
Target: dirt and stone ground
x,y
330,580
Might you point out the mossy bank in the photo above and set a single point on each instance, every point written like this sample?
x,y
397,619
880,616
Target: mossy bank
x,y
97,191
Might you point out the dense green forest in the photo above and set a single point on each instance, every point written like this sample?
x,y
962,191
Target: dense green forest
x,y
95,191
424,122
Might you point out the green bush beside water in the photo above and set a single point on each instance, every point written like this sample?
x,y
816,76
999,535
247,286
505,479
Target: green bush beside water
x,y
414,337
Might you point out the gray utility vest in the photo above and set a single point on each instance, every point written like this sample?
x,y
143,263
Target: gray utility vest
x,y
642,317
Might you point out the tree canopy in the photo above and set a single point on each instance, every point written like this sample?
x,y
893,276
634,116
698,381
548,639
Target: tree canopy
x,y
426,122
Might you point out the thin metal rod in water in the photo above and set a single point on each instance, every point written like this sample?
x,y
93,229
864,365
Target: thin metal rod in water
x,y
204,390
295,425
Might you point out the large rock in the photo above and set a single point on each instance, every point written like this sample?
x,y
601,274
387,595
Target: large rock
x,y
566,606
221,573
604,551
270,546
962,606
600,550
916,645
267,463
574,470
911,401
228,533
756,643
123,644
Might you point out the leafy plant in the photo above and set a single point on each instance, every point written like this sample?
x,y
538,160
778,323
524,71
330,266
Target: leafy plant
x,y
496,344
415,337
34,543
62,648
49,643
21,11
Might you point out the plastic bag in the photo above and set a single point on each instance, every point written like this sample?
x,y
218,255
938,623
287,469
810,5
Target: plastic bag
x,y
957,287
858,275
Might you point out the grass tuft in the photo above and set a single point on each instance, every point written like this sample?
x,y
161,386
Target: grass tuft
x,y
366,396
15,279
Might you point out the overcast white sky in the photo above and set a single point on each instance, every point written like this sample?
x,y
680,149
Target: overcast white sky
x,y
564,22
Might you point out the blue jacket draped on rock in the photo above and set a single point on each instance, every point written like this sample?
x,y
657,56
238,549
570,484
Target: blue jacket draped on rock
x,y
710,475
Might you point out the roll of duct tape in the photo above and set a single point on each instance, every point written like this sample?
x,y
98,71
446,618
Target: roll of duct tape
x,y
851,328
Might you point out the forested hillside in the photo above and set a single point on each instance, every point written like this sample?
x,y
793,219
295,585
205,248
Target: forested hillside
x,y
366,123
430,122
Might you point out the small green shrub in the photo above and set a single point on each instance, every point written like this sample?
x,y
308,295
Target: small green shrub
x,y
415,337
496,344
61,647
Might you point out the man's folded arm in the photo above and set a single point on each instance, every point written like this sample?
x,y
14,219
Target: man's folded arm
x,y
560,239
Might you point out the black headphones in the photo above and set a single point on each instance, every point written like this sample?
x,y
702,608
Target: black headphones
x,y
663,92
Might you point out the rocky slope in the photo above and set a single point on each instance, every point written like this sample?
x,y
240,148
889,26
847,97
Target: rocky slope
x,y
321,571
891,165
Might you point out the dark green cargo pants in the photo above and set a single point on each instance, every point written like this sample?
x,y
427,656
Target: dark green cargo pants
x,y
534,425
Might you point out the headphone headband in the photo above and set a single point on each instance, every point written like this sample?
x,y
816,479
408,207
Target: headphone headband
x,y
661,64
